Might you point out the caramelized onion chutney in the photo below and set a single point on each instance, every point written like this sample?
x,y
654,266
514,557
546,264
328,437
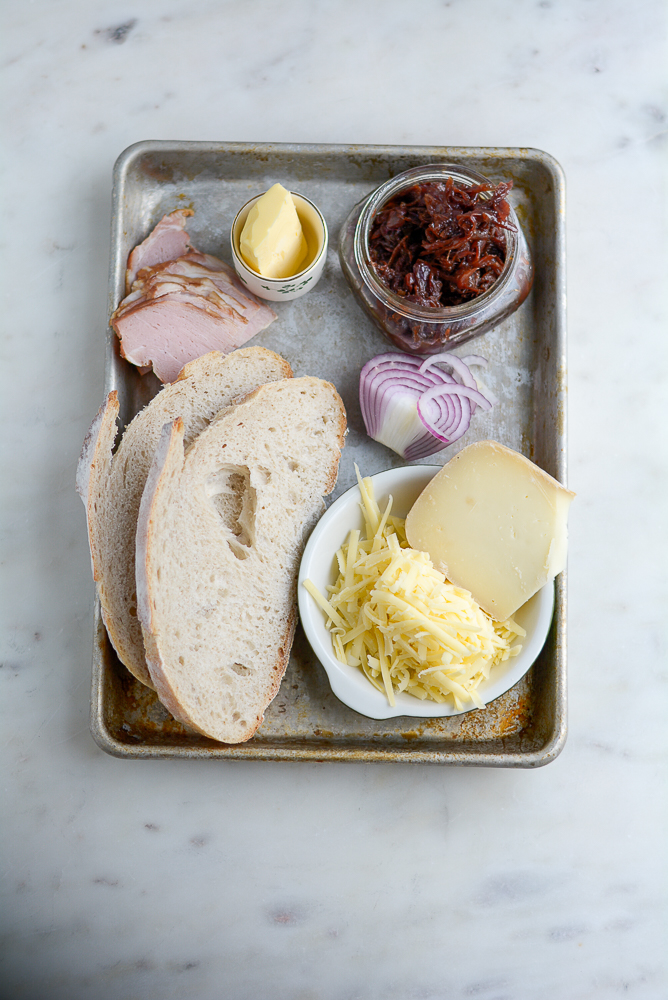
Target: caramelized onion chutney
x,y
436,256
440,244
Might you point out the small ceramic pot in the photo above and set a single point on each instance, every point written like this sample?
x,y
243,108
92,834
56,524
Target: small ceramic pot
x,y
314,228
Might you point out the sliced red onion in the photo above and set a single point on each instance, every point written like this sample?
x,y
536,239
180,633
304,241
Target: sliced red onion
x,y
415,408
475,359
458,365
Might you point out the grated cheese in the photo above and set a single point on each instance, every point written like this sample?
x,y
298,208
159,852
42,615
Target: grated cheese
x,y
398,620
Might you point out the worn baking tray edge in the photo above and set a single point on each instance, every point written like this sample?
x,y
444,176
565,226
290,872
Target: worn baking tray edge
x,y
108,742
338,750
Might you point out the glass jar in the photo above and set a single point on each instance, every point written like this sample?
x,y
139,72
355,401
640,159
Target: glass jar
x,y
425,329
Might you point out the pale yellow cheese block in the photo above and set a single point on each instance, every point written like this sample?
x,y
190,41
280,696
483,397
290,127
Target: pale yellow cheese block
x,y
272,241
494,524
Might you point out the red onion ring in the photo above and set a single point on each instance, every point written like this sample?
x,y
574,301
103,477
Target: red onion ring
x,y
415,408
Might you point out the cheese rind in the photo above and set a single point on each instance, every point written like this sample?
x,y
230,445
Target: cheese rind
x,y
494,524
272,241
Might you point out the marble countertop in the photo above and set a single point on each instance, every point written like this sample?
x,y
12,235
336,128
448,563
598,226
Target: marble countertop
x,y
208,880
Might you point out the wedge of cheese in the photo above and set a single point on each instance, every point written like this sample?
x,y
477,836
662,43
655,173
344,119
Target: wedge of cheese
x,y
494,524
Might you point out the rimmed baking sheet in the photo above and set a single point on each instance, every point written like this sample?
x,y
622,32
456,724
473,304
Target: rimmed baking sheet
x,y
327,334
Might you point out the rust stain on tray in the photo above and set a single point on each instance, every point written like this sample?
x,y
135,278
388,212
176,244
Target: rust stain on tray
x,y
508,714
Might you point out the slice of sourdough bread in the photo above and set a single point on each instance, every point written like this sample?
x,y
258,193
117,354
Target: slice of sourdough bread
x,y
111,486
219,538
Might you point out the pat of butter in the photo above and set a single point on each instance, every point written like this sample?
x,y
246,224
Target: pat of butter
x,y
272,241
494,524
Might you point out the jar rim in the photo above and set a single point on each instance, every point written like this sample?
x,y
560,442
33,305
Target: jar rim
x,y
398,304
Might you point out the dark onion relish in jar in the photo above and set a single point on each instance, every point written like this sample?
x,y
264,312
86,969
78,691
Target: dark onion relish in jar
x,y
439,243
436,256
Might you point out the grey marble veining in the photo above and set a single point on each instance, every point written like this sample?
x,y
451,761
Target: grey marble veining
x,y
126,880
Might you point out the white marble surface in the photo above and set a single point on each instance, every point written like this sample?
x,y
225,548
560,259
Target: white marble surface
x,y
129,880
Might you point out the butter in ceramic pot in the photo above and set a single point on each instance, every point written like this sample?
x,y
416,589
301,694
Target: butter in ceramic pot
x,y
272,241
495,524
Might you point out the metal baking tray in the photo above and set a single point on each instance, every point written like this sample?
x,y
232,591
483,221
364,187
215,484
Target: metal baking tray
x,y
325,333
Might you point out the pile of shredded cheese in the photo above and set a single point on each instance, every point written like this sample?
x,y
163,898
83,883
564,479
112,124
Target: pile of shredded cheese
x,y
394,616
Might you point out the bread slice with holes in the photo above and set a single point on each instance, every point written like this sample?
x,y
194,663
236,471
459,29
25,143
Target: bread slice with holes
x,y
111,487
220,535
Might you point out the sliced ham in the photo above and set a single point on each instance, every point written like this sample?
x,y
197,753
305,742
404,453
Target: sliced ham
x,y
205,279
197,265
179,308
149,337
202,292
167,241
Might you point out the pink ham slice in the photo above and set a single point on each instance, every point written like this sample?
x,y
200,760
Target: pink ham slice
x,y
180,308
201,292
167,241
219,282
169,333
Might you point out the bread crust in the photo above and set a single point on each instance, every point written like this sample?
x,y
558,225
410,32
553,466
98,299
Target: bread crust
x,y
167,454
92,484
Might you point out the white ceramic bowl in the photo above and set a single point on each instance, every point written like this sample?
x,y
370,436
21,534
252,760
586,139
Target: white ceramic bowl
x,y
314,228
319,565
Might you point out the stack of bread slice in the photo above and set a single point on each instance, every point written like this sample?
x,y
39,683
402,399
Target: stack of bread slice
x,y
196,526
